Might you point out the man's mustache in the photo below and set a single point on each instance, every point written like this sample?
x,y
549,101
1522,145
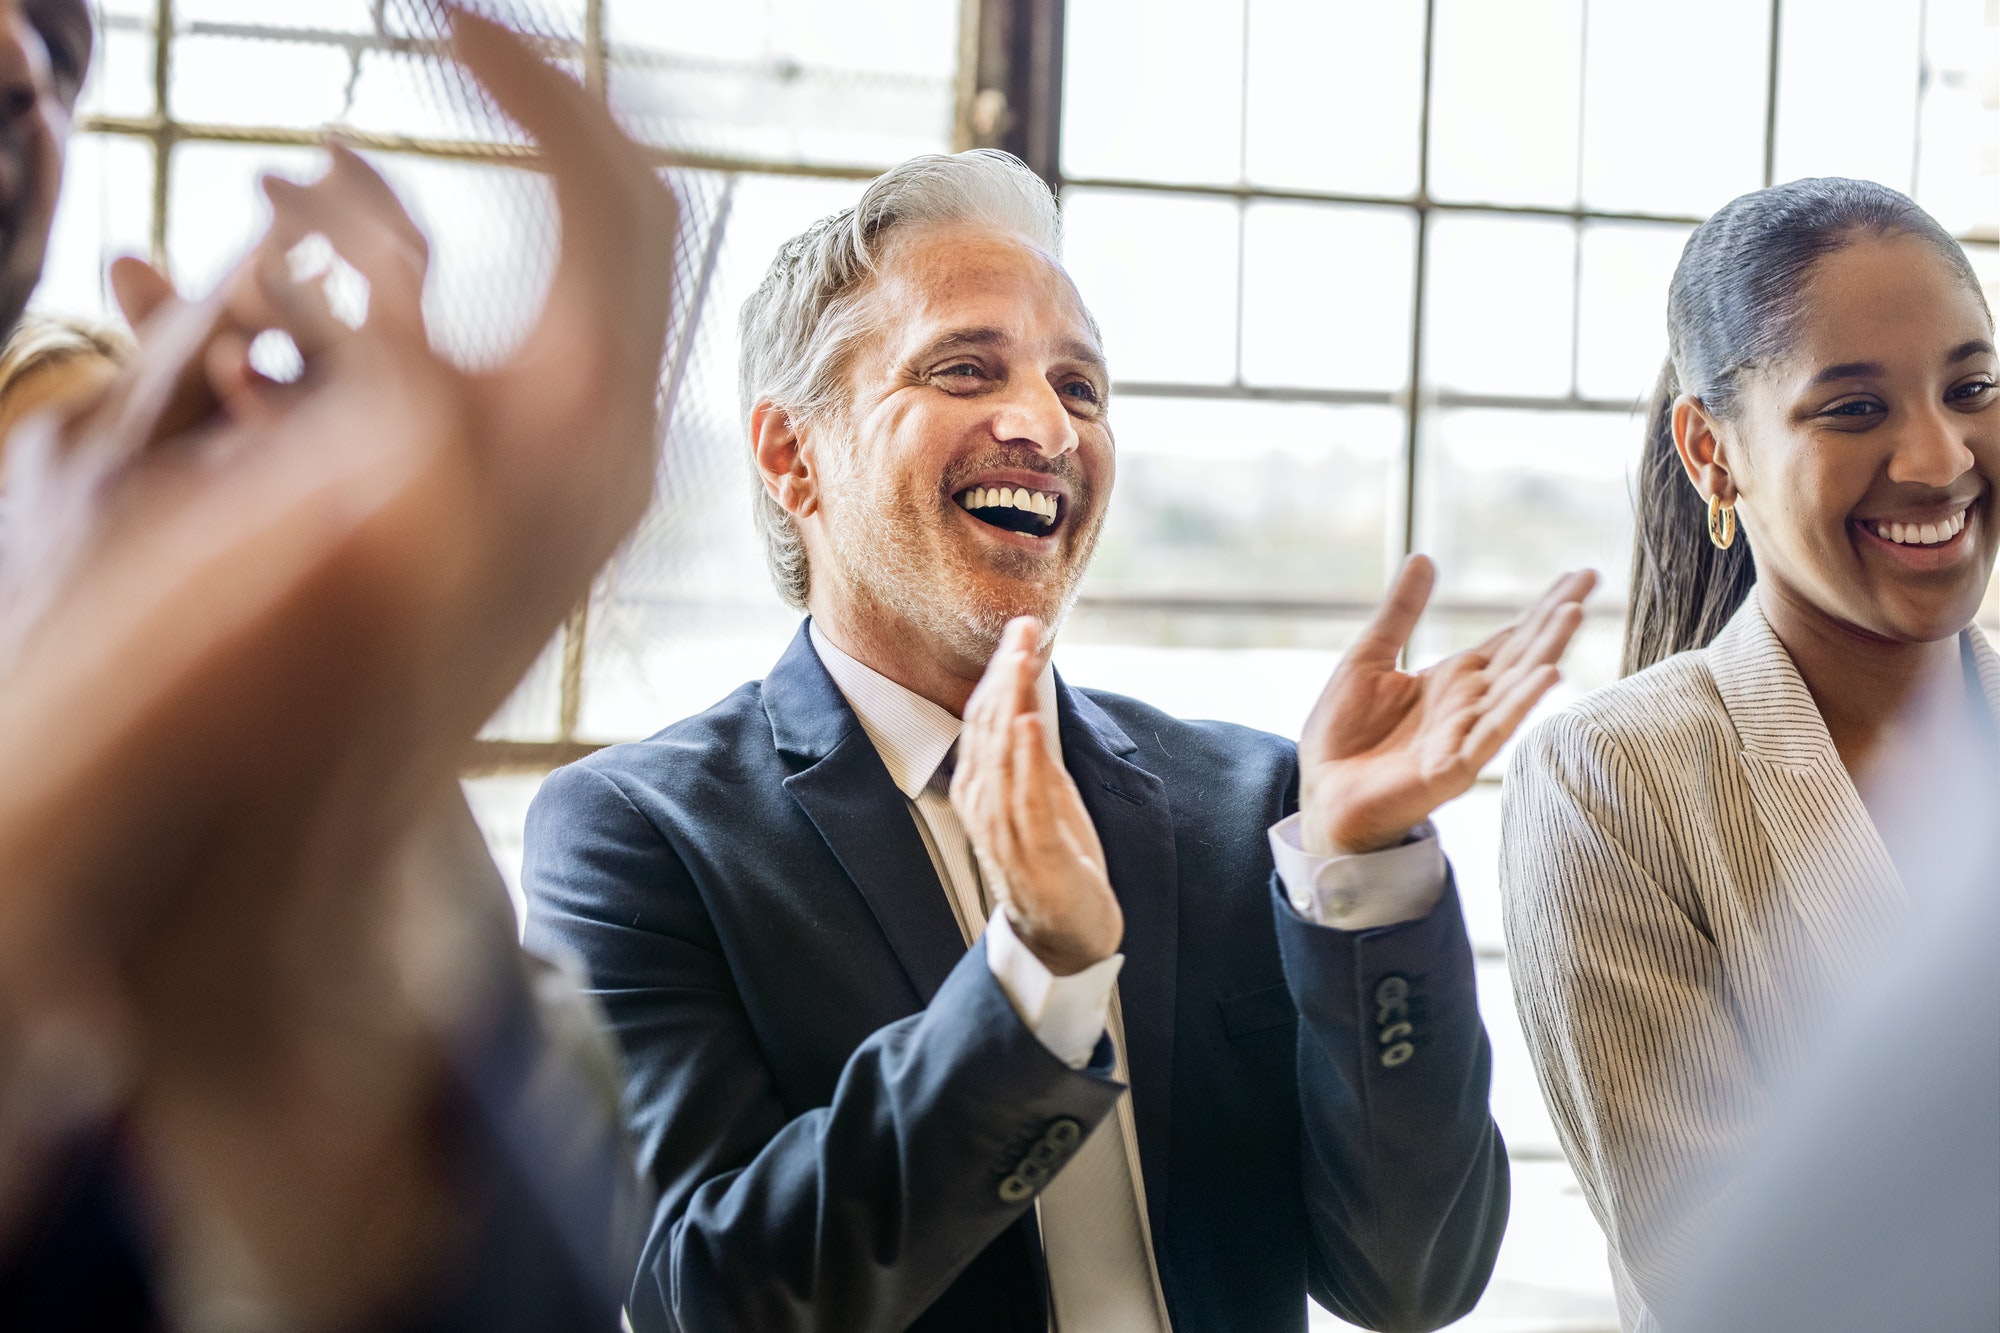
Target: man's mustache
x,y
1064,469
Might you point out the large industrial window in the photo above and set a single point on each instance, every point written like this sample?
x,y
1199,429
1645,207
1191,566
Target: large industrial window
x,y
1391,275
1374,276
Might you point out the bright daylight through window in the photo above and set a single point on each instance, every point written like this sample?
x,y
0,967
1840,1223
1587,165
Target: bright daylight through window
x,y
1374,276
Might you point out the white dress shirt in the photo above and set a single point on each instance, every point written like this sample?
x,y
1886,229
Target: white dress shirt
x,y
1096,1240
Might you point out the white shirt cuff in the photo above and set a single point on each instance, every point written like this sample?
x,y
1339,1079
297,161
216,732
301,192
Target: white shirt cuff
x,y
1364,890
1066,1014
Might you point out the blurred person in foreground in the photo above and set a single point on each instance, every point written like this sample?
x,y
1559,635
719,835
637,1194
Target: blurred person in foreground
x,y
860,926
1873,1199
1698,860
267,1059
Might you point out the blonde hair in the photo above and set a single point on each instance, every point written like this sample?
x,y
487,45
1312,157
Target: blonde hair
x,y
41,340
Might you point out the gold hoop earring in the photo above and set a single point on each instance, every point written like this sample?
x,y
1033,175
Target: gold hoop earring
x,y
1721,523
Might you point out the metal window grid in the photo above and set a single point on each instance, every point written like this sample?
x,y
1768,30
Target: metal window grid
x,y
1417,400
1012,51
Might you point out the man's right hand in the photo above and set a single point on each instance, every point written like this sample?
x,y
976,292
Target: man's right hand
x,y
1036,846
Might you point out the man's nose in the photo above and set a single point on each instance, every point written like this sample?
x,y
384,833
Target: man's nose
x,y
1034,415
1931,450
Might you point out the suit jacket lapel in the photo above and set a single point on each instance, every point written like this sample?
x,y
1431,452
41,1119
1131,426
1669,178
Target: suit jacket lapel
x,y
1134,822
848,794
1832,868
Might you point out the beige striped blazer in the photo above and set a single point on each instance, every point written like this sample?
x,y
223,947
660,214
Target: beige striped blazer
x,y
1687,870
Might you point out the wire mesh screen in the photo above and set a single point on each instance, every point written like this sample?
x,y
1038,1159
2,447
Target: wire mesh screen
x,y
763,118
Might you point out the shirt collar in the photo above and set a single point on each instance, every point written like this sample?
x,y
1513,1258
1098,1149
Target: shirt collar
x,y
911,733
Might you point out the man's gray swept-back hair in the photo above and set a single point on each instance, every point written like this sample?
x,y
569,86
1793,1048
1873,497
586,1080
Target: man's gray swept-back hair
x,y
801,325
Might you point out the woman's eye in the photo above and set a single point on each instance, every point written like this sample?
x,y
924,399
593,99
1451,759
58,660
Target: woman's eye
x,y
1971,392
1860,407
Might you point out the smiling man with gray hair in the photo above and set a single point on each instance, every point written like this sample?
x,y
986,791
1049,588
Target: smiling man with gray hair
x,y
888,936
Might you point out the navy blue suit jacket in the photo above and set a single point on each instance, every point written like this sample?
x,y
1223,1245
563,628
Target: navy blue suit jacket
x,y
832,1094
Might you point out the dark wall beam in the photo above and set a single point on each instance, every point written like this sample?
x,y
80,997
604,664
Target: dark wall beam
x,y
1010,81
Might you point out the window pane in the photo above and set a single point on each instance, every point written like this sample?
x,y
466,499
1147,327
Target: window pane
x,y
913,38
228,81
396,93
533,712
866,83
1504,101
1509,499
686,612
1958,165
105,211
120,82
1986,263
1239,498
1356,133
1831,123
1326,295
1506,500
1159,272
1709,148
1270,689
1154,91
1622,307
1499,308
351,15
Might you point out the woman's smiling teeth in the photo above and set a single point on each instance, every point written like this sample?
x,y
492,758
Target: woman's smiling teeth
x,y
1920,534
1011,507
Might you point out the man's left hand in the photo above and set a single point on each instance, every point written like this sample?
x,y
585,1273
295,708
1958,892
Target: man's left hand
x,y
1383,747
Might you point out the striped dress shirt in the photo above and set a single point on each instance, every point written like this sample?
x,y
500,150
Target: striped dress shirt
x,y
1688,871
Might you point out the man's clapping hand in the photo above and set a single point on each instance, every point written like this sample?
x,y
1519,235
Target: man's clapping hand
x,y
1385,747
1037,849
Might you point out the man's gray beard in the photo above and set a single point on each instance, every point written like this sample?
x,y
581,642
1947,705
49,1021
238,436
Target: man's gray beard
x,y
886,567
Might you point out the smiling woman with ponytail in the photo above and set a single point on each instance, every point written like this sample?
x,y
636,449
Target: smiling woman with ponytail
x,y
1696,859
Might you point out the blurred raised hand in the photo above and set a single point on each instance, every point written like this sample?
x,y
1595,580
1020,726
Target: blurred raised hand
x,y
251,627
1384,747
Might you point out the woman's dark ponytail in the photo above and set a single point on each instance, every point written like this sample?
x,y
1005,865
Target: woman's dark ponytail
x,y
1733,305
1684,589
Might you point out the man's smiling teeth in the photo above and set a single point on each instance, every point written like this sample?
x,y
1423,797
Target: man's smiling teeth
x,y
1921,534
1041,504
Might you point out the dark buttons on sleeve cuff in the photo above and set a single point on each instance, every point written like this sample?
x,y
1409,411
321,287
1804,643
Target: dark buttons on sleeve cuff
x,y
1393,1028
1035,1170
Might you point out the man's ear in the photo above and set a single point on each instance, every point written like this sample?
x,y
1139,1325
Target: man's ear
x,y
784,460
1699,441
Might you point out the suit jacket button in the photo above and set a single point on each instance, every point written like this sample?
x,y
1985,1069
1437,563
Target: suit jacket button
x,y
1064,1135
1014,1189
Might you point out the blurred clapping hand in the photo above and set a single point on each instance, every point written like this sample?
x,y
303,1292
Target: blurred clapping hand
x,y
248,628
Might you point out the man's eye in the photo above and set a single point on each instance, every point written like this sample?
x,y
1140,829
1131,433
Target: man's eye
x,y
1082,389
963,370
